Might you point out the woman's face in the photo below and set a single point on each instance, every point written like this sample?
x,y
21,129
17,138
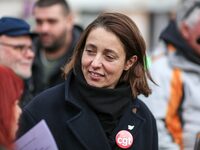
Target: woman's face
x,y
17,112
103,59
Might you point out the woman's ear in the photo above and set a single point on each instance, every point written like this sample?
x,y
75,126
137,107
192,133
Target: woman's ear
x,y
130,62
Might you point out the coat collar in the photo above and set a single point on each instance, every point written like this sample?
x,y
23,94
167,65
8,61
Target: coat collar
x,y
86,127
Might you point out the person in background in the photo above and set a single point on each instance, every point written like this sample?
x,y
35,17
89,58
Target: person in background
x,y
57,37
176,69
11,89
16,46
97,106
16,51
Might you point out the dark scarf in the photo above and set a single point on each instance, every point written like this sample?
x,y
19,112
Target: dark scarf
x,y
108,104
171,35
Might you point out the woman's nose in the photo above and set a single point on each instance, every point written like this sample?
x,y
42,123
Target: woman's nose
x,y
97,61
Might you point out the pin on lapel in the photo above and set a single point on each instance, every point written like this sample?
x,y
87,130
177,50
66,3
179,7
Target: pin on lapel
x,y
130,127
124,139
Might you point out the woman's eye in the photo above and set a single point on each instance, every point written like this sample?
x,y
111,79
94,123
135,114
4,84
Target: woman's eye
x,y
110,58
89,51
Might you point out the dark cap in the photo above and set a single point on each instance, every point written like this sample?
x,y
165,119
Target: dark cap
x,y
14,27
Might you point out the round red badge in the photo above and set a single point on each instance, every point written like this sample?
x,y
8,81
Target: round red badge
x,y
124,139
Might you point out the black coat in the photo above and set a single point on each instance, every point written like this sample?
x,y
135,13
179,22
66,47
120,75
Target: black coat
x,y
76,127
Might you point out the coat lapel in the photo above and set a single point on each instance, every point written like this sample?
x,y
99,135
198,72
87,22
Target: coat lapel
x,y
87,129
131,122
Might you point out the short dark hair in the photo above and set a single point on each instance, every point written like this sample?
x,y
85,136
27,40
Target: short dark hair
x,y
47,3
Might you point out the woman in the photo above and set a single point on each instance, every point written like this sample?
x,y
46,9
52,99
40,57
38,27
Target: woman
x,y
11,87
97,106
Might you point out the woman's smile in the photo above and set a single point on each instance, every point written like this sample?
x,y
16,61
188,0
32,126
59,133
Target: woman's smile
x,y
95,75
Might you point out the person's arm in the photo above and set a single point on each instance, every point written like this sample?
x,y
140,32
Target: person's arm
x,y
158,102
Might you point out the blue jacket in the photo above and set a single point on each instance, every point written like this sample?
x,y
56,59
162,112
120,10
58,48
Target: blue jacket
x,y
76,127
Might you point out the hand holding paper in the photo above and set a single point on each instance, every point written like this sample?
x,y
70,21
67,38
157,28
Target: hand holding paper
x,y
37,138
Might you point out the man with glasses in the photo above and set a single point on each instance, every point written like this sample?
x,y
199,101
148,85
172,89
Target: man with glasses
x,y
16,50
175,102
16,46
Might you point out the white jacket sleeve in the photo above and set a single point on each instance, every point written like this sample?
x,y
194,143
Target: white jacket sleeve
x,y
158,101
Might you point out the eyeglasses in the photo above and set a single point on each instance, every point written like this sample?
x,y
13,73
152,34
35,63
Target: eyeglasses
x,y
21,48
